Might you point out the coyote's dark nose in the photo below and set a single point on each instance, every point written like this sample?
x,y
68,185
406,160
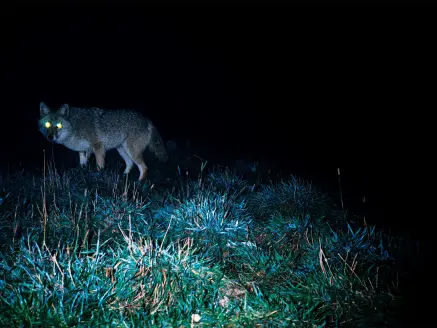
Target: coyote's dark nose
x,y
50,137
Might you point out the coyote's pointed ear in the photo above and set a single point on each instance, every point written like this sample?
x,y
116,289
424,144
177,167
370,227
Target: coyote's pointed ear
x,y
43,109
64,110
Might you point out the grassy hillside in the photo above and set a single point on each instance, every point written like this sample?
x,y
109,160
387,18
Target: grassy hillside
x,y
207,246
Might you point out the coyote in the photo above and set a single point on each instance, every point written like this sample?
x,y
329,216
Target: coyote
x,y
95,130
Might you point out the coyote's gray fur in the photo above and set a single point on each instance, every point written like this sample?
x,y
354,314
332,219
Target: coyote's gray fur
x,y
95,130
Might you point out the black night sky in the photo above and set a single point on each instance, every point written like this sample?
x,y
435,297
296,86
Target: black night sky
x,y
308,97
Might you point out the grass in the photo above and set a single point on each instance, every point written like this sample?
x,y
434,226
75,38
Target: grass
x,y
88,249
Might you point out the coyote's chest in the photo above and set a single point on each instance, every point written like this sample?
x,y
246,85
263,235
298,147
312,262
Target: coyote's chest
x,y
77,144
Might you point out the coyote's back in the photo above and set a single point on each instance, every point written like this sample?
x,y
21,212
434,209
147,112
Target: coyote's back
x,y
96,130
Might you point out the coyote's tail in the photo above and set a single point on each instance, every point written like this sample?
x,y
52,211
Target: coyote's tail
x,y
157,146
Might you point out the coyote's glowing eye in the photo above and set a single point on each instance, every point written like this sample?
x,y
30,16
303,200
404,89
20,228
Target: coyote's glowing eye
x,y
47,125
59,125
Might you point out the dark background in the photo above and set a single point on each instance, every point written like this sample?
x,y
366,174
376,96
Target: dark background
x,y
307,96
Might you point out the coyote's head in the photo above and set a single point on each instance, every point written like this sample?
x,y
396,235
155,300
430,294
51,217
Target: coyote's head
x,y
54,125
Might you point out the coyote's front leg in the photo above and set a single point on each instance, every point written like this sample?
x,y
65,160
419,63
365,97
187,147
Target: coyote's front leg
x,y
99,151
83,157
